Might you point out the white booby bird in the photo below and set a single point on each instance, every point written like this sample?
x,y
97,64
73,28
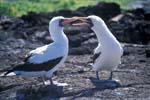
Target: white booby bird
x,y
107,55
45,60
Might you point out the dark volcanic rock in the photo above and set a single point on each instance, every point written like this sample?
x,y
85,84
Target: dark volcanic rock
x,y
132,27
36,18
147,51
27,26
102,9
77,40
80,50
69,13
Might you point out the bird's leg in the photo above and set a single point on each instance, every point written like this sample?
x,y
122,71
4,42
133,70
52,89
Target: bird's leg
x,y
43,80
111,74
51,81
97,75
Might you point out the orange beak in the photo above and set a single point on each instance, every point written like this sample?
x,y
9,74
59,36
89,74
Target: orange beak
x,y
83,22
70,21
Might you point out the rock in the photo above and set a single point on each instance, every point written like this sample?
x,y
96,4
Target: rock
x,y
142,60
36,19
117,18
125,53
102,9
18,23
75,41
5,22
77,30
44,37
4,35
132,22
40,34
130,80
147,51
147,16
31,31
36,92
69,13
80,50
144,4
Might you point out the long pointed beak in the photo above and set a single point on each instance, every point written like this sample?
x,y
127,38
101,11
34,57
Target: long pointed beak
x,y
67,21
84,21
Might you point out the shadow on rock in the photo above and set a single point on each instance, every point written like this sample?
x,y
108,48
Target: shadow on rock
x,y
39,92
100,85
105,84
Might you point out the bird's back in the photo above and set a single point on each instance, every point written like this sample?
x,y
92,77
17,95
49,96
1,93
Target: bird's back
x,y
46,53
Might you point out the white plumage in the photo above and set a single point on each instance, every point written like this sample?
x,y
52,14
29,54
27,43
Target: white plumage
x,y
54,53
48,52
109,49
54,50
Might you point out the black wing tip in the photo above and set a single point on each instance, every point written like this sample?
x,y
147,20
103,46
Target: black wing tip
x,y
96,55
13,69
6,73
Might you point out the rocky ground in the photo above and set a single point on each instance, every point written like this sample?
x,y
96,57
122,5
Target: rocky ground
x,y
131,80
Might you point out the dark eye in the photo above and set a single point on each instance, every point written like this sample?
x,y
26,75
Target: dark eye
x,y
61,22
89,19
90,22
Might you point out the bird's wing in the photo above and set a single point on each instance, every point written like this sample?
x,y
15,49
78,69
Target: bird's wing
x,y
34,52
47,53
28,56
29,67
44,58
96,55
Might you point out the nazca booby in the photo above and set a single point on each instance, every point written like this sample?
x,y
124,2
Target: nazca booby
x,y
45,60
107,55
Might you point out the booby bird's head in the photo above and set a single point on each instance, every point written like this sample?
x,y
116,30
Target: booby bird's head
x,y
60,21
56,26
95,20
55,21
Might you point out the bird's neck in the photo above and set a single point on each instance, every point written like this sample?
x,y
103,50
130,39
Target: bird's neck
x,y
104,35
59,37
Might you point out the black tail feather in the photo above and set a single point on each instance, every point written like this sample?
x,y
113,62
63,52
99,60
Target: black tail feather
x,y
16,68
